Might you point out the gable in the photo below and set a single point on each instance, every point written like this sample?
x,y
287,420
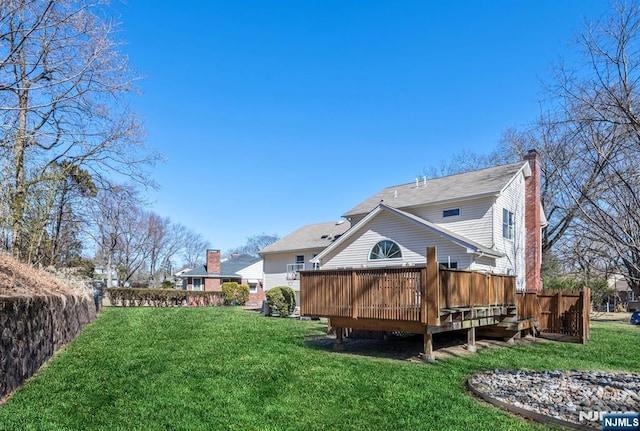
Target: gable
x,y
390,223
410,237
253,272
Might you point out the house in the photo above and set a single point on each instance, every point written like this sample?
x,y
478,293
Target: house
x,y
486,220
243,269
623,294
293,253
100,273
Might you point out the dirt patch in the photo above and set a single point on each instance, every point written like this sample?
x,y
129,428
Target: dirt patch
x,y
409,348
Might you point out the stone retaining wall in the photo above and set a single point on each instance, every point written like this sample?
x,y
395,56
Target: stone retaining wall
x,y
33,328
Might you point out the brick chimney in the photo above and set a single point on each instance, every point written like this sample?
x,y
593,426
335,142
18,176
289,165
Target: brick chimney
x,y
213,261
533,237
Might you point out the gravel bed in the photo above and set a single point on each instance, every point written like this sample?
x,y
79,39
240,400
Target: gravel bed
x,y
562,394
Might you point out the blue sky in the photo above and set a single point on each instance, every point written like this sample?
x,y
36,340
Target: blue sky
x,y
276,114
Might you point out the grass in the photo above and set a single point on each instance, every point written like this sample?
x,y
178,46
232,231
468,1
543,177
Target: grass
x,y
225,368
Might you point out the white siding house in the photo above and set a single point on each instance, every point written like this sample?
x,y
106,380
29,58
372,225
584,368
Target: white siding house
x,y
286,257
475,219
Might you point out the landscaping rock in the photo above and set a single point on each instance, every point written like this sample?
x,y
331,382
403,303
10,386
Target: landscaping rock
x,y
562,394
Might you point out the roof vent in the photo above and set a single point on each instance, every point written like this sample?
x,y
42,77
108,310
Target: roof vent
x,y
340,222
324,236
395,193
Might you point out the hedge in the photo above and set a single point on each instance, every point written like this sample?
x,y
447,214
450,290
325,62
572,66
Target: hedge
x,y
131,297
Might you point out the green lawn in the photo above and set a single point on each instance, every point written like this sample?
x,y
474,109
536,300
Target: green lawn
x,y
229,369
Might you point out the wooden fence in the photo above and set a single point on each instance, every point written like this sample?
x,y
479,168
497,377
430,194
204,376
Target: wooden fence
x,y
563,312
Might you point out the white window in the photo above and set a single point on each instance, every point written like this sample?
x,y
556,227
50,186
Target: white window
x,y
253,287
448,265
197,284
507,224
294,268
385,250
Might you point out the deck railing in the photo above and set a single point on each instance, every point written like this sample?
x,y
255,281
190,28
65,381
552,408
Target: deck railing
x,y
384,293
410,293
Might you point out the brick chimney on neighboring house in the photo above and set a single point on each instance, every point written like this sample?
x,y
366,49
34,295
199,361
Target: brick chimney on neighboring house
x,y
213,261
532,217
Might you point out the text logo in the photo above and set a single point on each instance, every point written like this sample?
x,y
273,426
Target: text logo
x,y
621,422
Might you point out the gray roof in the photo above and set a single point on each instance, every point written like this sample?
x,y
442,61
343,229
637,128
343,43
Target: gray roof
x,y
238,263
312,236
228,268
483,182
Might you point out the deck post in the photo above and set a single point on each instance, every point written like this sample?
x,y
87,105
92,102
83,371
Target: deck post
x,y
432,288
428,347
339,344
471,339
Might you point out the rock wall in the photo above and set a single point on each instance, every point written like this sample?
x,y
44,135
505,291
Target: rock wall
x,y
33,328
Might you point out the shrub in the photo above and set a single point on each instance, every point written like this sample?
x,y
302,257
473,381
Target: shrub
x,y
235,294
281,300
166,284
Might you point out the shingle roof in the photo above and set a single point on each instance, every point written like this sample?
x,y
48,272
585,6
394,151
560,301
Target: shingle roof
x,y
312,236
198,271
238,263
228,268
461,186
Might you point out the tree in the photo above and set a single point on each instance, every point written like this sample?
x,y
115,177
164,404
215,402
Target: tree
x,y
597,107
194,248
254,244
107,213
588,139
63,100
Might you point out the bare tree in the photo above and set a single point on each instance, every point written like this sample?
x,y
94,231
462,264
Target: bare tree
x,y
598,106
63,98
167,239
254,244
194,248
107,213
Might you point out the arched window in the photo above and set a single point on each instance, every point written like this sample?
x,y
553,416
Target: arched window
x,y
385,250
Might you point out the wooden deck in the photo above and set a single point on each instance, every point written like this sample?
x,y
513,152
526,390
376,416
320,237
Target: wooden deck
x,y
418,299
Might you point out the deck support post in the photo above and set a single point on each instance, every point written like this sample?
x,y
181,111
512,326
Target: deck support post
x,y
339,344
471,339
428,348
431,289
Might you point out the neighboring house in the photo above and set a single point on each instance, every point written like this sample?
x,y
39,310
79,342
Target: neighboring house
x,y
286,257
243,269
622,294
486,220
100,273
178,277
